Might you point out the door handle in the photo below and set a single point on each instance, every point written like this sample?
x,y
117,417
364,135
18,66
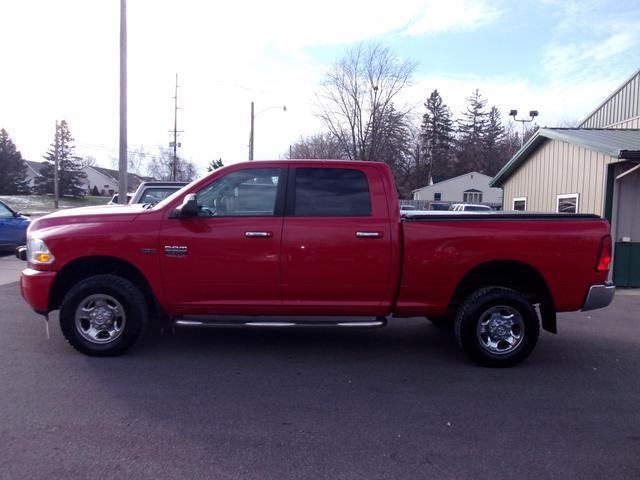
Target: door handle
x,y
258,234
369,234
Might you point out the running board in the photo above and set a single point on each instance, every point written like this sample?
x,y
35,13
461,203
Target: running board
x,y
181,322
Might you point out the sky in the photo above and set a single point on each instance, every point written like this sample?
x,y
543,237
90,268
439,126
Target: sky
x,y
60,60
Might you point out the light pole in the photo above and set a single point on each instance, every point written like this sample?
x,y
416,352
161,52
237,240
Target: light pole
x,y
532,113
123,158
253,116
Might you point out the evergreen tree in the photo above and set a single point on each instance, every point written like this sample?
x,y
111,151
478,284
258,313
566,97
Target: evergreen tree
x,y
70,176
395,148
13,170
495,153
436,140
214,165
472,130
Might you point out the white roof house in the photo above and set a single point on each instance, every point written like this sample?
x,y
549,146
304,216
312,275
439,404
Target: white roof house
x,y
472,187
106,180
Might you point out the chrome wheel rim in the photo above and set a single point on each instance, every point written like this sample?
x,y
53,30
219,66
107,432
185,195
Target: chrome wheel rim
x,y
100,318
500,330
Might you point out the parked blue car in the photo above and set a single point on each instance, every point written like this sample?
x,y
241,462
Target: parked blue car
x,y
13,228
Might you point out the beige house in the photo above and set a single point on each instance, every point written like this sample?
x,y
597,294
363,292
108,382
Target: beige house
x,y
591,169
471,187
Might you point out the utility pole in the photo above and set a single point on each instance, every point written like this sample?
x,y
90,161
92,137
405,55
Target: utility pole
x,y
56,162
123,157
175,144
251,135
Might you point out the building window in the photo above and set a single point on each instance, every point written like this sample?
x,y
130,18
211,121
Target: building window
x,y
520,204
567,203
437,197
472,196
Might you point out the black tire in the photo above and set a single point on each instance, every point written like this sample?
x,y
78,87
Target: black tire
x,y
482,339
120,294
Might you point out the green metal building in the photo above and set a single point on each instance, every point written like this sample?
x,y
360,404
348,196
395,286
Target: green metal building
x,y
594,168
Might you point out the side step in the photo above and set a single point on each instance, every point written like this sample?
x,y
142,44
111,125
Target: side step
x,y
191,322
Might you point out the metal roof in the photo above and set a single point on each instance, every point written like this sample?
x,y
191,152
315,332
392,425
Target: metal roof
x,y
617,142
624,108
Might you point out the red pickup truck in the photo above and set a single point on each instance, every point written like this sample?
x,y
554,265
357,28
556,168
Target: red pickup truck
x,y
311,238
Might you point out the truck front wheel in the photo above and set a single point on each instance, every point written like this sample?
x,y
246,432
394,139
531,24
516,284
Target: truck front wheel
x,y
497,327
103,315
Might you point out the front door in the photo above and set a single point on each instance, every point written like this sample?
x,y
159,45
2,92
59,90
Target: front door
x,y
227,259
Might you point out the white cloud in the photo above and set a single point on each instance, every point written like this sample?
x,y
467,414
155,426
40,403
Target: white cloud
x,y
438,16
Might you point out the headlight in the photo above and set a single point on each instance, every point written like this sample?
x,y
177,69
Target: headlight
x,y
37,252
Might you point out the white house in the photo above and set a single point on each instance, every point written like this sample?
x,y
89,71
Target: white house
x,y
106,180
472,187
33,171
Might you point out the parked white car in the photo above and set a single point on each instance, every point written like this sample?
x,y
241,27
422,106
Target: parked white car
x,y
470,207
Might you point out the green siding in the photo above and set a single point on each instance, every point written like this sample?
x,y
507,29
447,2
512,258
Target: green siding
x,y
608,199
626,264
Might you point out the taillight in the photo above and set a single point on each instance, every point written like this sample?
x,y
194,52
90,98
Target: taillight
x,y
604,255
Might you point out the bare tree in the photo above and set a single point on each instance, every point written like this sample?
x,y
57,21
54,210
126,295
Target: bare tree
x,y
137,160
88,161
159,167
318,146
569,122
357,95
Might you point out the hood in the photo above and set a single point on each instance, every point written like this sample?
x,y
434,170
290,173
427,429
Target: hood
x,y
95,214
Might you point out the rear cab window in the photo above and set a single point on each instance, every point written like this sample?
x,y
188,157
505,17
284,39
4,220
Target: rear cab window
x,y
329,192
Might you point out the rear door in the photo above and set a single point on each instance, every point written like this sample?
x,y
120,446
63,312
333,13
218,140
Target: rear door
x,y
336,242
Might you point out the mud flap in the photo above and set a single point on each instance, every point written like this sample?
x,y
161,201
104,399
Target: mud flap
x,y
548,317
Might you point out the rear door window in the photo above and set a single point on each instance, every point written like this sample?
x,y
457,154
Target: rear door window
x,y
331,192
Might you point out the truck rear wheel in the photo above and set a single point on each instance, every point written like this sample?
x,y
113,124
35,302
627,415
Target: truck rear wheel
x,y
103,315
497,327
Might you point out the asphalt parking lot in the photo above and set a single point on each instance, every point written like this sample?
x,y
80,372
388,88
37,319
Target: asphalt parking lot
x,y
400,402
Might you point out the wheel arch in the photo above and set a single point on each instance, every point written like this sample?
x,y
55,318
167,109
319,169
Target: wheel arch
x,y
85,267
513,274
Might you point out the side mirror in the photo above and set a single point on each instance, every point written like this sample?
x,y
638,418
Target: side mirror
x,y
189,207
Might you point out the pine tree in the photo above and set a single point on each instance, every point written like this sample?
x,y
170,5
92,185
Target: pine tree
x,y
472,130
436,140
13,170
394,148
70,176
214,165
494,152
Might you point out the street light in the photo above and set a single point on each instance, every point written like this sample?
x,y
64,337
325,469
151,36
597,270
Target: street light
x,y
532,113
253,116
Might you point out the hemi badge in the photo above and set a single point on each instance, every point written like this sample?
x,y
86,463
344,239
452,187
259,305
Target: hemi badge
x,y
148,251
175,250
